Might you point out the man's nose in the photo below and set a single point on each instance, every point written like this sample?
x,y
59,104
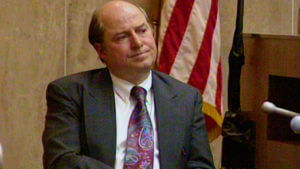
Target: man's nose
x,y
136,41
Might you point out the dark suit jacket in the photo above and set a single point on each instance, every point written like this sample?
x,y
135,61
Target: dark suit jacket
x,y
80,127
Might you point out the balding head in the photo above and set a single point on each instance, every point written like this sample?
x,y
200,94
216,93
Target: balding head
x,y
123,39
103,14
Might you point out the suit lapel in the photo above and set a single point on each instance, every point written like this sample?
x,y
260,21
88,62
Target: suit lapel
x,y
100,118
168,119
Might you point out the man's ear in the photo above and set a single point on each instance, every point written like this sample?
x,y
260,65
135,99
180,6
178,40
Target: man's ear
x,y
100,50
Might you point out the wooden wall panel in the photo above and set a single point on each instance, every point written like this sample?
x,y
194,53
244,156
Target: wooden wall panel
x,y
265,55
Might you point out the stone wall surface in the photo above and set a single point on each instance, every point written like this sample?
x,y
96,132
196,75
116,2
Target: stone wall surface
x,y
31,55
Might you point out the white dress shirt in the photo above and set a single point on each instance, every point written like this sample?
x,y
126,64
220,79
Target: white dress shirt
x,y
124,107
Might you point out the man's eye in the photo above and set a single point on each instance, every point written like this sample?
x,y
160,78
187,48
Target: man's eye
x,y
120,38
143,30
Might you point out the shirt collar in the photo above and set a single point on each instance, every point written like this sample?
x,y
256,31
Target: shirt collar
x,y
123,87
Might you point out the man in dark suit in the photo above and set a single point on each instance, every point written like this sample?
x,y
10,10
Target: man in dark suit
x,y
91,120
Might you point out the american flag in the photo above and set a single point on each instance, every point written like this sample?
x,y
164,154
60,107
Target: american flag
x,y
189,50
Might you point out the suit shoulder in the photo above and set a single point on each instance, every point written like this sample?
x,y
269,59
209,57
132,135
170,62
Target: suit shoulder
x,y
77,78
73,85
174,83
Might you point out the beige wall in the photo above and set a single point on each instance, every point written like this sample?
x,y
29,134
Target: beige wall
x,y
42,40
31,55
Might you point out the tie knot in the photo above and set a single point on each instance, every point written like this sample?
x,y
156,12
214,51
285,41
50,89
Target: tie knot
x,y
139,93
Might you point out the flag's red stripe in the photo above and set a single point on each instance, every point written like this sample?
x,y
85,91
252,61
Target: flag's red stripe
x,y
219,88
174,34
209,122
201,68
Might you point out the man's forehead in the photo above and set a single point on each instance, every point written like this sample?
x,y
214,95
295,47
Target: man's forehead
x,y
123,18
118,11
125,28
125,21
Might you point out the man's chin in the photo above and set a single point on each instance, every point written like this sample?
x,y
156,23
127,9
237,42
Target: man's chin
x,y
142,68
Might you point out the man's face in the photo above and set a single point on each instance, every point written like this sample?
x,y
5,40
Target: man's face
x,y
129,46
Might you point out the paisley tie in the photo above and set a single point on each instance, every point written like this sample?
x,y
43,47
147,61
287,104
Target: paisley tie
x,y
139,143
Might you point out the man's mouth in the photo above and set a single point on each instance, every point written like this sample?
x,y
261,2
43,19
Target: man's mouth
x,y
138,54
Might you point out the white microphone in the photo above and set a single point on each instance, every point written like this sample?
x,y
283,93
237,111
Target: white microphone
x,y
271,108
295,124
